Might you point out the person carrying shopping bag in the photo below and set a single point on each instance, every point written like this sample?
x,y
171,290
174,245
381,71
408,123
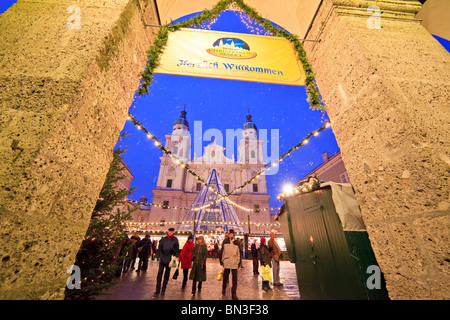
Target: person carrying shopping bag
x,y
265,258
230,259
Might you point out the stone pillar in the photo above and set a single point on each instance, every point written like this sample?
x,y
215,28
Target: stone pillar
x,y
386,91
68,73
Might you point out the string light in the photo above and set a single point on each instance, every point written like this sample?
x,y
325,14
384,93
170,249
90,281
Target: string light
x,y
305,140
145,224
198,208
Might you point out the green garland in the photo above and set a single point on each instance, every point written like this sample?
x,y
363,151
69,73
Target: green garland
x,y
155,51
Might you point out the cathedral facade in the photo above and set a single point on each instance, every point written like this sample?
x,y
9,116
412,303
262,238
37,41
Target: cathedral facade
x,y
178,188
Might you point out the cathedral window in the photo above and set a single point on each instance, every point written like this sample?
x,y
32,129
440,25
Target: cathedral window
x,y
255,187
256,208
169,183
227,187
253,154
199,186
165,204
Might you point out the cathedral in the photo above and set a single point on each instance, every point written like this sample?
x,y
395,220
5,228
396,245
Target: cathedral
x,y
177,190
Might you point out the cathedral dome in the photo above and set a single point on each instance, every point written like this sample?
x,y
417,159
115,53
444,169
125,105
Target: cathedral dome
x,y
182,119
143,199
249,123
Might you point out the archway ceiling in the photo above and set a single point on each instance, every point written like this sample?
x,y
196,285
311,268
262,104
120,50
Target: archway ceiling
x,y
293,15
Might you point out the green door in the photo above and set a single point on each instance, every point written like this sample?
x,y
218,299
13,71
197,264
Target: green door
x,y
325,269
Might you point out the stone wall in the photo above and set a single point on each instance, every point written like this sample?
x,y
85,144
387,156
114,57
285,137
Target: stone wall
x,y
386,91
64,96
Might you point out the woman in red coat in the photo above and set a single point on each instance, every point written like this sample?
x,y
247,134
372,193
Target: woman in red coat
x,y
185,259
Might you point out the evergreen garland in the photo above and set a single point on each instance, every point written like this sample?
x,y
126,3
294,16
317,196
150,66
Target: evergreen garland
x,y
155,51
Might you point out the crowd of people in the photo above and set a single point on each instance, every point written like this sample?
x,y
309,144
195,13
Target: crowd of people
x,y
193,256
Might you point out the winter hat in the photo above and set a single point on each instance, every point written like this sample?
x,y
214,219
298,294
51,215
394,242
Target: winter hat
x,y
263,240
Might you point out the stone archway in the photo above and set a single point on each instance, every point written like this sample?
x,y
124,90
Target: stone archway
x,y
65,94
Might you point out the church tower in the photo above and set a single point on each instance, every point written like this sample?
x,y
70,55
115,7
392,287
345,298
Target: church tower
x,y
250,147
172,176
179,142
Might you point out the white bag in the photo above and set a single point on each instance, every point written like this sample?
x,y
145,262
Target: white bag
x,y
173,263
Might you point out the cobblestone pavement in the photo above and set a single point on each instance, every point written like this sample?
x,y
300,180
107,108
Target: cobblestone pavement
x,y
141,285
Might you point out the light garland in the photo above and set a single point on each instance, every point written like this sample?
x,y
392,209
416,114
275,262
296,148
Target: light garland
x,y
256,176
185,232
186,167
187,222
195,209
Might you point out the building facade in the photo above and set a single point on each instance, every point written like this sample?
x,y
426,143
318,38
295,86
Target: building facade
x,y
176,189
332,169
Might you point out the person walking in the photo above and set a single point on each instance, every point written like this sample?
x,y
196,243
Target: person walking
x,y
154,248
275,251
144,251
230,259
216,250
135,249
168,246
198,272
130,249
265,257
185,259
241,250
254,251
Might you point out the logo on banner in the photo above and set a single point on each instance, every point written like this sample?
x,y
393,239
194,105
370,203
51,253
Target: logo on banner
x,y
231,48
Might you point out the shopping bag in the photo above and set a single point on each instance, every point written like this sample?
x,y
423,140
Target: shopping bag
x,y
220,274
173,262
266,273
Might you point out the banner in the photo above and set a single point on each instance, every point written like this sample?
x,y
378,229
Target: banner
x,y
234,56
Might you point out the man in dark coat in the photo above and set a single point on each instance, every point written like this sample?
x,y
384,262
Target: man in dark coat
x,y
168,247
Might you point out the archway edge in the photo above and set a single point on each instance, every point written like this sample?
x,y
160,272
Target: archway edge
x,y
294,16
